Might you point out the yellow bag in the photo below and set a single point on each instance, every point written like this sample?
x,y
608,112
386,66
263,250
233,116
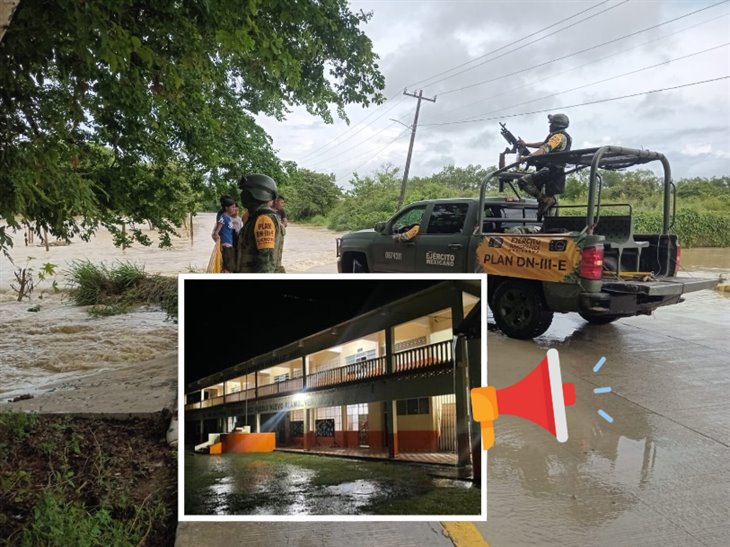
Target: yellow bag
x,y
215,264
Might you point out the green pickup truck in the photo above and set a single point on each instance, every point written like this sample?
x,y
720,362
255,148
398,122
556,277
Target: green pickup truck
x,y
585,259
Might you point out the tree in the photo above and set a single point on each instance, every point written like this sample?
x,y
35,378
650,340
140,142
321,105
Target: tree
x,y
122,109
465,180
309,193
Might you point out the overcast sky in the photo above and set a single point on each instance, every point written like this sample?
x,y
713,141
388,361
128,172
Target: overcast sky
x,y
417,40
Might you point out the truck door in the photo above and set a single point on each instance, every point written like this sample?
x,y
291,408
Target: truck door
x,y
398,256
443,246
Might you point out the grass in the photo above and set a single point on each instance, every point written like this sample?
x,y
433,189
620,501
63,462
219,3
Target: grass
x,y
83,482
115,289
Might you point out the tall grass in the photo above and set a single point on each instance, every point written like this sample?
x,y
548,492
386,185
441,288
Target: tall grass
x,y
114,289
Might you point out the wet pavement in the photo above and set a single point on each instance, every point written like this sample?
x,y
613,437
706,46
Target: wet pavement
x,y
659,474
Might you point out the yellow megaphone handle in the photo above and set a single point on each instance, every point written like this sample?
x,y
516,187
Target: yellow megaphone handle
x,y
487,434
485,410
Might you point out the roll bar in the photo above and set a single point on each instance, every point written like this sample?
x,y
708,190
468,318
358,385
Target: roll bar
x,y
606,157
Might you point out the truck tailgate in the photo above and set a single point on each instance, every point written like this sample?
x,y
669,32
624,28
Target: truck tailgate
x,y
666,286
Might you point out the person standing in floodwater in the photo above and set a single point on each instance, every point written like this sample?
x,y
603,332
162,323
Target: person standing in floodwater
x,y
224,232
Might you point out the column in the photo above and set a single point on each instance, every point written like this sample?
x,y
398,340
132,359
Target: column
x,y
392,424
258,423
304,372
343,433
307,436
389,349
474,355
461,395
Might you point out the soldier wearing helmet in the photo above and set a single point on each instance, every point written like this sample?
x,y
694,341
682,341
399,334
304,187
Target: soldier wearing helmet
x,y
261,241
548,182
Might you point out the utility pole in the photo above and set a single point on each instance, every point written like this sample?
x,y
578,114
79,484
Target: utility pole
x,y
413,139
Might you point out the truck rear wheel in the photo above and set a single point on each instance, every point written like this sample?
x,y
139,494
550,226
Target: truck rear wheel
x,y
600,319
519,310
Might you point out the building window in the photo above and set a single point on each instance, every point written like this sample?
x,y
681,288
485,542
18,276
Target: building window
x,y
360,356
408,407
296,429
333,413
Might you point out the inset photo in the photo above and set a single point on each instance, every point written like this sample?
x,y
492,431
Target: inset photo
x,y
331,397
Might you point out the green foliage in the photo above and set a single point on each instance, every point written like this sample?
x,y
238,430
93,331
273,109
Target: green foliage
x,y
463,181
309,194
370,200
16,427
373,199
57,521
112,290
26,276
693,228
114,113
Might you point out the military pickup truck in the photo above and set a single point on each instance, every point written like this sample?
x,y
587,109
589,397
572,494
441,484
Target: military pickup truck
x,y
586,259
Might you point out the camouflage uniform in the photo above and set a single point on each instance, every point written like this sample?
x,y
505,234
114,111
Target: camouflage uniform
x,y
260,243
546,183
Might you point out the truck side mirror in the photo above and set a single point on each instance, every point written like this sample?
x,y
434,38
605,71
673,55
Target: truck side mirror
x,y
379,226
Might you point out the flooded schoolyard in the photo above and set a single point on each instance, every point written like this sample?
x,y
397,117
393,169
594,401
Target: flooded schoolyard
x,y
282,483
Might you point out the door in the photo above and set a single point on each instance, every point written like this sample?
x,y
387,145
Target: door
x,y
398,256
443,246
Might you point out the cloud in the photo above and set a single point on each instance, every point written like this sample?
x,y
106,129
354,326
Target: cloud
x,y
417,40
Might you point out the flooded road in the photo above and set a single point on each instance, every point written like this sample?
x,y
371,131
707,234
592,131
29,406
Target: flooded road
x,y
660,473
305,247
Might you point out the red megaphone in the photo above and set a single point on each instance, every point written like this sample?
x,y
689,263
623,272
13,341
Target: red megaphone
x,y
540,397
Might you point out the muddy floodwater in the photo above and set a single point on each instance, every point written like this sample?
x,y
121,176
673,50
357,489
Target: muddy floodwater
x,y
60,342
281,483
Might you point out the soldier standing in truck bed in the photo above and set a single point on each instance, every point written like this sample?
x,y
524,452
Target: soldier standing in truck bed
x,y
548,182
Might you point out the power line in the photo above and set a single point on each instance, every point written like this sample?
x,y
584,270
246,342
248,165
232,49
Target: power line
x,y
565,107
615,77
575,23
350,128
652,27
322,150
414,84
553,75
356,145
373,156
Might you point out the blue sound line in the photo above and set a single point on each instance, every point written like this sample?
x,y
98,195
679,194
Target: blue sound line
x,y
602,390
603,414
599,364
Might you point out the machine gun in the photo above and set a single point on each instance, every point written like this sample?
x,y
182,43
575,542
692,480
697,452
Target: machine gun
x,y
517,148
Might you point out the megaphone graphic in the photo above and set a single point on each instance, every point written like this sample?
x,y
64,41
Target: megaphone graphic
x,y
540,397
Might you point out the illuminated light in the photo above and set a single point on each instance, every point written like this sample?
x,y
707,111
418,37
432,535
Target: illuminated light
x,y
602,390
599,364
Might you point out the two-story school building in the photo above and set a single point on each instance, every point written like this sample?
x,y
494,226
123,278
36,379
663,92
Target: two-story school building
x,y
391,381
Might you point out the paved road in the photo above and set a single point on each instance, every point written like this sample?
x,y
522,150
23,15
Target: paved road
x,y
658,475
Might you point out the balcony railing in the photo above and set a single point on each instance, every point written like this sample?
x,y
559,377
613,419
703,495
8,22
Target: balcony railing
x,y
426,356
293,384
433,355
349,373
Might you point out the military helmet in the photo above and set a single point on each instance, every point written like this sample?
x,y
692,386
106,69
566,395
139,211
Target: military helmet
x,y
560,121
261,187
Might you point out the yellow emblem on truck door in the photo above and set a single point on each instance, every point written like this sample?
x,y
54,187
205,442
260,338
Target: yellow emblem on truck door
x,y
545,258
265,232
